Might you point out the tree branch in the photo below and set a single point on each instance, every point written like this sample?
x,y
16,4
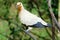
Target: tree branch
x,y
28,33
52,14
32,36
54,21
53,30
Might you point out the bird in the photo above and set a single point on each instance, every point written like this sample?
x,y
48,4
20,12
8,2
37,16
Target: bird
x,y
29,19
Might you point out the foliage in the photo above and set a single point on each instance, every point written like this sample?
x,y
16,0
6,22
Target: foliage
x,y
9,21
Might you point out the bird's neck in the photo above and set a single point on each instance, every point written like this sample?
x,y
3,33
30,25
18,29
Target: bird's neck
x,y
20,9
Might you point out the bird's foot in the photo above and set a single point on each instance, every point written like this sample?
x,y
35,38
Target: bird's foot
x,y
26,30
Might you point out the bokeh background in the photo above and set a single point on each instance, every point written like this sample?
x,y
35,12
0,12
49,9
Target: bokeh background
x,y
12,29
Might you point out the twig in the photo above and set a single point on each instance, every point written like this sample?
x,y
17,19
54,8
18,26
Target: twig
x,y
52,14
32,36
28,33
54,21
53,30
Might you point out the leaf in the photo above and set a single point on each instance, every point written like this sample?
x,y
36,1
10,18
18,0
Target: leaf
x,y
4,30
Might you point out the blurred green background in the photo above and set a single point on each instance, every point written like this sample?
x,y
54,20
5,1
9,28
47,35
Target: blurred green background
x,y
9,21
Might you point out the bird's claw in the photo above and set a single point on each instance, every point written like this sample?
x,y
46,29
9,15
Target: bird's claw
x,y
26,31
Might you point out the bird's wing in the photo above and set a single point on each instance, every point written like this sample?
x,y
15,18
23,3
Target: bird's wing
x,y
31,19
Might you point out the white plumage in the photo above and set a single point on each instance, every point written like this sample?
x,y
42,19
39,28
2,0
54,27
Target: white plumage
x,y
28,18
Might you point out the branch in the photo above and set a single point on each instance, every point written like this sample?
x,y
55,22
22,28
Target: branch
x,y
28,33
54,21
32,36
52,14
53,30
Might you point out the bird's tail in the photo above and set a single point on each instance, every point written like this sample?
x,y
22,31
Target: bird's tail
x,y
40,25
48,25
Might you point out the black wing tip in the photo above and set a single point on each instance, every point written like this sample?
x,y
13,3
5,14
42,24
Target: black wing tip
x,y
49,25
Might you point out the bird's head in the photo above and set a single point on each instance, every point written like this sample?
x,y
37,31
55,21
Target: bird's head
x,y
19,6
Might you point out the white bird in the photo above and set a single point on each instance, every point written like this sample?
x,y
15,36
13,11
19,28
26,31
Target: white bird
x,y
30,19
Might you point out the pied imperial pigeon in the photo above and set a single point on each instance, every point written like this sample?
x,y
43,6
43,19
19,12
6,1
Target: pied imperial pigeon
x,y
30,19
